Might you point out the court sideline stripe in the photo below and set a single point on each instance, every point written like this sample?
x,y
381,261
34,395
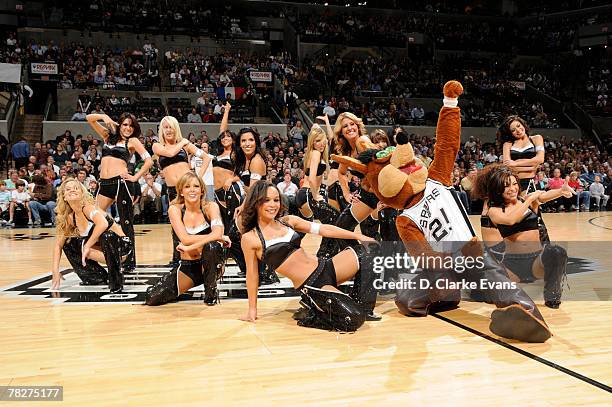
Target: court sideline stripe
x,y
527,354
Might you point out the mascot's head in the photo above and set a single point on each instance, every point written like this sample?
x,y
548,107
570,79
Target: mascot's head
x,y
394,174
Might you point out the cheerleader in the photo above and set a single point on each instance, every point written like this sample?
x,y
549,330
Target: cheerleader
x,y
309,202
350,137
120,143
275,240
517,222
173,151
88,236
196,222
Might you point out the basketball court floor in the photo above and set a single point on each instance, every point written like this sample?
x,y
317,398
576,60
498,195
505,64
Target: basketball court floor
x,y
111,350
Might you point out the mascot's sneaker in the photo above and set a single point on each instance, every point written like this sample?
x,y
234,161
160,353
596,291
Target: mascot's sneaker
x,y
515,322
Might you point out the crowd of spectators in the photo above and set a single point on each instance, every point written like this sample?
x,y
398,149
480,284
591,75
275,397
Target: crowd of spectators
x,y
589,169
148,16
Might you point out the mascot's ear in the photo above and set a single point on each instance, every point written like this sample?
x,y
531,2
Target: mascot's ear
x,y
351,162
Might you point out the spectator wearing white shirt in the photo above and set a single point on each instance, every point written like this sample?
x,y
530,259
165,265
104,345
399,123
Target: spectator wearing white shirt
x,y
597,193
19,197
329,111
288,190
151,194
206,174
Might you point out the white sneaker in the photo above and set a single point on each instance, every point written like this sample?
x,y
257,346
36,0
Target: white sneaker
x,y
37,222
30,222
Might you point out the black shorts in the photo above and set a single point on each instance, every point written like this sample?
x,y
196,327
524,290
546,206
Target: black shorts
x,y
193,270
109,187
324,274
521,264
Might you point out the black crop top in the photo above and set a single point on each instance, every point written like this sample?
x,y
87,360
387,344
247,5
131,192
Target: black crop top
x,y
485,222
119,151
180,157
246,175
224,162
202,229
529,222
276,251
320,169
90,224
525,152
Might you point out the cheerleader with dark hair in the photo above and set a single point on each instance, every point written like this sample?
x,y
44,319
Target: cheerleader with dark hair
x,y
120,143
523,153
517,222
270,238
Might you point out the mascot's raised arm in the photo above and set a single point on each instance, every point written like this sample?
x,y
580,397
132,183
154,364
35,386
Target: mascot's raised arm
x,y
434,225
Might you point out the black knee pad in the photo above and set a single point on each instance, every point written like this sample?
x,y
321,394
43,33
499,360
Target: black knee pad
x,y
330,310
164,290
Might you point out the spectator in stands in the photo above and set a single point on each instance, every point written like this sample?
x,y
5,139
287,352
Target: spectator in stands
x,y
11,182
298,134
288,190
20,198
584,196
597,191
194,116
556,182
21,153
43,199
79,116
5,202
151,197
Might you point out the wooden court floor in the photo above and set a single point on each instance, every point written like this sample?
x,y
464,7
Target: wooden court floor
x,y
188,354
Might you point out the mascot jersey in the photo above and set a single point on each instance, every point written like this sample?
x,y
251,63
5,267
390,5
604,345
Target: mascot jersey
x,y
441,217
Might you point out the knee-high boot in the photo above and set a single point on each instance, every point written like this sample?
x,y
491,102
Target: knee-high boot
x,y
330,310
554,259
125,207
111,245
324,212
91,274
516,316
214,262
544,238
388,230
164,290
363,290
329,247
